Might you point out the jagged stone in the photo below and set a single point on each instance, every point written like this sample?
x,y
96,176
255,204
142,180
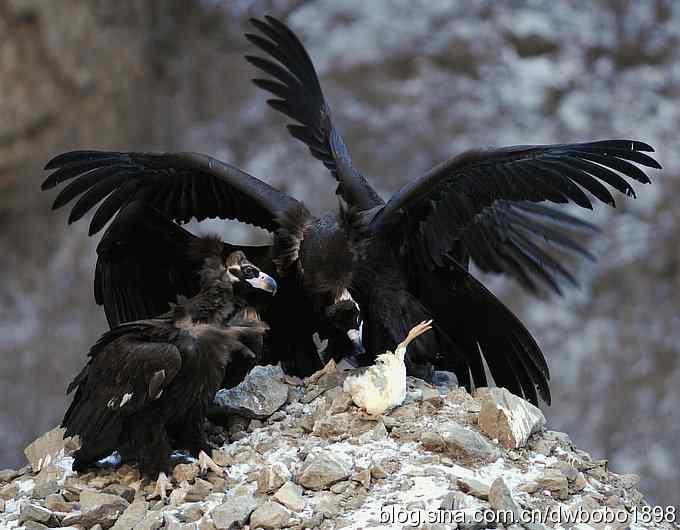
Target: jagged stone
x,y
9,491
290,495
272,477
44,449
507,418
322,470
235,510
341,402
186,472
44,488
473,487
6,475
554,481
270,515
104,514
34,525
458,441
152,521
500,499
90,499
258,396
332,426
34,512
199,490
133,515
580,482
327,504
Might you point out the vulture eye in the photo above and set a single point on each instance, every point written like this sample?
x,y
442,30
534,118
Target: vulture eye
x,y
250,271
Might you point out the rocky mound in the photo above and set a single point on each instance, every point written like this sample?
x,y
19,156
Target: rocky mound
x,y
310,459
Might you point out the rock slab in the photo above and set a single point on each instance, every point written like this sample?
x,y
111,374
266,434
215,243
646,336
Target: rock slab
x,y
258,396
508,418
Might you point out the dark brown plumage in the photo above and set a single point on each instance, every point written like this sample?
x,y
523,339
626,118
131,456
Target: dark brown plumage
x,y
150,381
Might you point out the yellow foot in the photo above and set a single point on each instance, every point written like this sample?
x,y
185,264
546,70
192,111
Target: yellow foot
x,y
162,487
205,463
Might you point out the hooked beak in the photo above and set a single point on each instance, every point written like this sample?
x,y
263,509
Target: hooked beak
x,y
264,282
355,338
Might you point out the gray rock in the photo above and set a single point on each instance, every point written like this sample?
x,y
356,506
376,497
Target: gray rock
x,y
33,525
258,396
9,491
290,495
270,515
322,470
191,512
105,514
235,510
272,477
507,418
133,515
199,490
44,488
461,442
474,487
6,475
89,500
45,448
500,500
554,481
377,433
327,504
33,512
186,472
121,490
152,521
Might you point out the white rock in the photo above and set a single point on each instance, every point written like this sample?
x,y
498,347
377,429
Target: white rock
x,y
507,418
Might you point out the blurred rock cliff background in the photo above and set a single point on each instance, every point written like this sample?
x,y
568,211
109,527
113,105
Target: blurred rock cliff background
x,y
411,82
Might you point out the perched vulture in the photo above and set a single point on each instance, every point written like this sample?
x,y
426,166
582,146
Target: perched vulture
x,y
404,261
147,383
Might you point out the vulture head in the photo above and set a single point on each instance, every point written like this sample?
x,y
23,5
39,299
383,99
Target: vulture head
x,y
233,268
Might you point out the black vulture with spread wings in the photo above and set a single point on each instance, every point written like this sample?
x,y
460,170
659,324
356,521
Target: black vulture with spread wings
x,y
405,260
150,381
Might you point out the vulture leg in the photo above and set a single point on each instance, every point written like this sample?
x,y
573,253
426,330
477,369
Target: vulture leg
x,y
189,434
151,443
205,463
163,484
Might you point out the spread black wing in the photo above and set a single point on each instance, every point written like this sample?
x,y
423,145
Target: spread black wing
x,y
298,95
482,204
180,185
144,262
